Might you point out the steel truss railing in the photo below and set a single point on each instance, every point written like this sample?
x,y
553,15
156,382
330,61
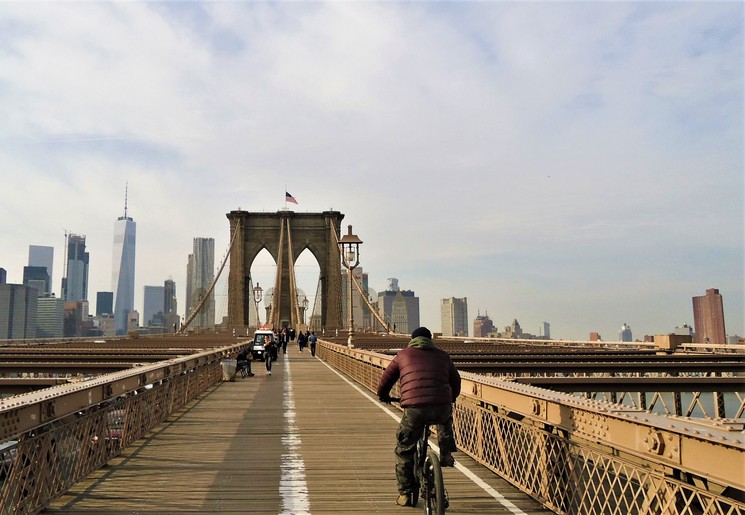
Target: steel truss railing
x,y
52,438
584,456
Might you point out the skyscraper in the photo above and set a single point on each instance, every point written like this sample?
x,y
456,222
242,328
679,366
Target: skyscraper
x,y
18,305
153,303
123,269
454,316
169,297
36,277
171,319
708,318
399,307
200,271
50,317
104,303
39,255
75,281
624,334
482,326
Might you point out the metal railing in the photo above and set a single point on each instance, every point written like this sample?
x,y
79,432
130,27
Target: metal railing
x,y
52,438
577,455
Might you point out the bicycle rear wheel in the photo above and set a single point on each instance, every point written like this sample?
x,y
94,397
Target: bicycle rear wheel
x,y
433,489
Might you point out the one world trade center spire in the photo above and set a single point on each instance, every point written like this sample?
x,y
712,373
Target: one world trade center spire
x,y
123,269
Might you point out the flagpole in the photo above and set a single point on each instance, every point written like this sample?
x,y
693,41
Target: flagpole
x,y
285,197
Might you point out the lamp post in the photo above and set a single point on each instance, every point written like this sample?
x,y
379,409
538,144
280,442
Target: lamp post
x,y
305,308
258,294
350,252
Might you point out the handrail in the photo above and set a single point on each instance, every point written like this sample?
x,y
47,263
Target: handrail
x,y
538,439
25,412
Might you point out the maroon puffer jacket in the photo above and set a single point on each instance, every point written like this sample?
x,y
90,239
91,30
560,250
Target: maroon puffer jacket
x,y
427,377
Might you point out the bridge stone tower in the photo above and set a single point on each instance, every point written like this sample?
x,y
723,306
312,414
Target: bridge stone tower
x,y
285,235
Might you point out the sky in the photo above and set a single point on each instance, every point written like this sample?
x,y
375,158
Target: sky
x,y
579,163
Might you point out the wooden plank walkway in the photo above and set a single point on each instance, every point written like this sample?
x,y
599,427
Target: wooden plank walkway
x,y
303,440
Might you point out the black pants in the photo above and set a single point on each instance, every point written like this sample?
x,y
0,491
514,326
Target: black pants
x,y
410,430
268,357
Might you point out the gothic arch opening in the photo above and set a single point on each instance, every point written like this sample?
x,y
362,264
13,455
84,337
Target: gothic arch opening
x,y
263,272
308,273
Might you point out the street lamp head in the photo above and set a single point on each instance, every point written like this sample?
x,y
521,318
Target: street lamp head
x,y
350,248
258,293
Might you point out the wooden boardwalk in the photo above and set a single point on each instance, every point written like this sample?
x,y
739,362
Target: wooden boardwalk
x,y
303,440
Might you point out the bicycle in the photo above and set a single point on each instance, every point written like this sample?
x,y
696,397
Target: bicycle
x,y
429,482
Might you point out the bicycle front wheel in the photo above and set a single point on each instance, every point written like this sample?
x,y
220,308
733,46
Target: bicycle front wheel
x,y
434,486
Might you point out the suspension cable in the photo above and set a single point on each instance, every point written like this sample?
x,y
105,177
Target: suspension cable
x,y
294,304
277,279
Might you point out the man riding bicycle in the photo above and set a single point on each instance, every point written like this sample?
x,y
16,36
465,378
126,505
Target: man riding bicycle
x,y
429,385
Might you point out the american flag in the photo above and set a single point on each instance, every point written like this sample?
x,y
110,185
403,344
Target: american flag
x,y
290,198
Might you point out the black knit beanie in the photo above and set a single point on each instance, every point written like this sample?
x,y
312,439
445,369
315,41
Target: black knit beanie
x,y
421,331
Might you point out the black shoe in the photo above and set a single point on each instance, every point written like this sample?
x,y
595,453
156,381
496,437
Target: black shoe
x,y
447,460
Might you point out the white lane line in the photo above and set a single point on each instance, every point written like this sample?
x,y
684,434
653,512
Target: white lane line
x,y
293,490
470,475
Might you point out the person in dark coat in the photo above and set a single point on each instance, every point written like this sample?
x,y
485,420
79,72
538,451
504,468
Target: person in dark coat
x,y
242,361
301,340
312,339
283,338
429,385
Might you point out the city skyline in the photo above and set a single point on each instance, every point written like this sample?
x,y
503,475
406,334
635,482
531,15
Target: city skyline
x,y
575,163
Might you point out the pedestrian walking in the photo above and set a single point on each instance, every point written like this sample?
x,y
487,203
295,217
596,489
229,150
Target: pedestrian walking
x,y
301,340
283,339
269,350
312,339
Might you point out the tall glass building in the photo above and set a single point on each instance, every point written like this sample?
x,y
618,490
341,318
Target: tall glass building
x,y
50,317
154,302
18,305
624,334
104,303
75,282
200,270
123,269
36,277
40,255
